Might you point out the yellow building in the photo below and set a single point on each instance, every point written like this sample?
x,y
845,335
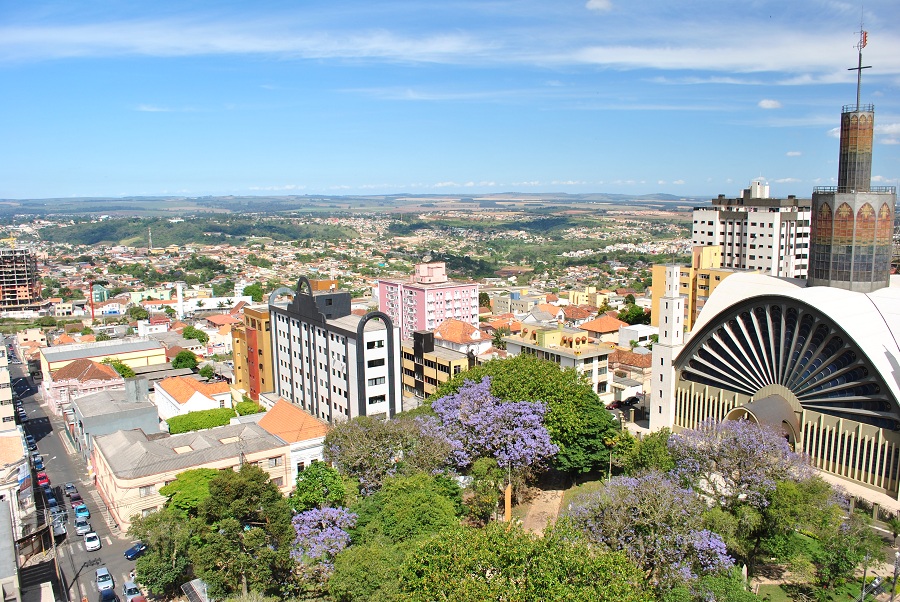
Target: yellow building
x,y
697,282
251,344
426,366
135,353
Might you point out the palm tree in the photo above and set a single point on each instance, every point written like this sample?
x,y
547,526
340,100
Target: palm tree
x,y
893,525
497,340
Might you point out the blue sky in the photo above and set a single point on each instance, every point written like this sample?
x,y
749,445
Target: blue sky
x,y
196,98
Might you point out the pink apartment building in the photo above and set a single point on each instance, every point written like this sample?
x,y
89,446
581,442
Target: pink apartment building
x,y
427,299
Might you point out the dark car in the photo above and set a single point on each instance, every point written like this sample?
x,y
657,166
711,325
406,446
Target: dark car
x,y
136,550
109,595
631,401
75,499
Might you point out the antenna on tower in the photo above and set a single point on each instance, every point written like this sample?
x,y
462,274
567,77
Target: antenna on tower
x,y
863,40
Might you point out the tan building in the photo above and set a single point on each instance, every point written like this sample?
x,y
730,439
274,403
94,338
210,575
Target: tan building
x,y
131,467
426,366
697,282
136,353
252,351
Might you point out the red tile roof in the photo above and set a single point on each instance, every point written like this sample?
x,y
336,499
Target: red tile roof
x,y
181,389
292,423
84,369
604,325
457,331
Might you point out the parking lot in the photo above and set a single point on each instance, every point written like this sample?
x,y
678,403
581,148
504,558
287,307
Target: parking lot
x,y
62,465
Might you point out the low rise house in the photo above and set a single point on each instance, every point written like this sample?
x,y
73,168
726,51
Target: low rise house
x,y
133,352
303,432
179,395
461,336
131,466
81,377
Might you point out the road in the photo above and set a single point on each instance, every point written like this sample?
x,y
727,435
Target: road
x,y
62,465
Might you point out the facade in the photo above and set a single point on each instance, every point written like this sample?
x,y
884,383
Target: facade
x,y
461,336
757,232
136,352
20,286
77,379
641,334
568,347
180,395
304,433
604,328
515,303
252,345
427,299
131,467
334,364
818,362
696,282
7,410
427,366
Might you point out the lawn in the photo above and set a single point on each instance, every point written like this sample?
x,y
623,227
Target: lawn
x,y
573,492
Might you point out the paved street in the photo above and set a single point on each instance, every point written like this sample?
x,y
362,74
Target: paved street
x,y
62,465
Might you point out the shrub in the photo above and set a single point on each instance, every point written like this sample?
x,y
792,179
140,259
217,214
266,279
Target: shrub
x,y
195,421
245,408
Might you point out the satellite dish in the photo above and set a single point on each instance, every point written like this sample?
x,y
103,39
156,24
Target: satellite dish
x,y
427,258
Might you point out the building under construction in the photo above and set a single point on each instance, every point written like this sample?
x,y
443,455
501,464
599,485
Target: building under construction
x,y
20,286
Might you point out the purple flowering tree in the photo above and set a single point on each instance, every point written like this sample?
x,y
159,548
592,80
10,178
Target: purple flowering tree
x,y
321,534
657,523
478,424
736,462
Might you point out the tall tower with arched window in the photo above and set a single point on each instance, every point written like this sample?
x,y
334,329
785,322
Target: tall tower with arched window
x,y
852,223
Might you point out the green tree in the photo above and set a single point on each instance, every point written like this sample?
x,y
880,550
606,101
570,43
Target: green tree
x,y
368,572
634,315
846,541
169,311
893,525
196,334
503,562
207,371
255,291
185,359
138,313
497,339
484,494
102,337
318,486
45,322
484,300
166,564
247,407
728,587
246,538
189,489
123,369
651,452
576,419
87,330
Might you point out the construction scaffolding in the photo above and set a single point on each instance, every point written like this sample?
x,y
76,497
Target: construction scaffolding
x,y
20,286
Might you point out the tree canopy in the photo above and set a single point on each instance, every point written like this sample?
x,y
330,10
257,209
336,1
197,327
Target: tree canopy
x,y
185,359
189,489
577,421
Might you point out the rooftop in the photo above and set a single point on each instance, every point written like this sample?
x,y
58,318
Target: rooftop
x,y
102,349
291,423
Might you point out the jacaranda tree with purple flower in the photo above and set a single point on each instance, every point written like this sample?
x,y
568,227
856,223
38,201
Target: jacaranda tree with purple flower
x,y
321,534
481,425
657,523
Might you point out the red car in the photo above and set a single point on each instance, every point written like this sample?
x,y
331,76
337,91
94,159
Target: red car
x,y
75,499
43,479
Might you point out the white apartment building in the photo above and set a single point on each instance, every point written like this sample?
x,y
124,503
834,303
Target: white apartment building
x,y
757,232
7,412
334,364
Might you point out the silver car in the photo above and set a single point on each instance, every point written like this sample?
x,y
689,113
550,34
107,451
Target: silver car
x,y
130,591
104,579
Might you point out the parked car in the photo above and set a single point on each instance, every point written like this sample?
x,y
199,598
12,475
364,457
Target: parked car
x,y
82,526
47,489
51,501
59,528
104,579
92,542
81,511
109,595
614,405
43,479
631,401
30,442
58,513
39,464
70,488
75,499
135,550
130,591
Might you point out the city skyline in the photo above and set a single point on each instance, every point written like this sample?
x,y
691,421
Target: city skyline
x,y
579,96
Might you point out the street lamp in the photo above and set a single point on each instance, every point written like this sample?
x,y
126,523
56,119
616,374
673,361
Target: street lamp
x,y
896,568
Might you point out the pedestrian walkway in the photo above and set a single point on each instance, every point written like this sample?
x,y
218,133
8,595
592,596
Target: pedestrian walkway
x,y
543,510
100,505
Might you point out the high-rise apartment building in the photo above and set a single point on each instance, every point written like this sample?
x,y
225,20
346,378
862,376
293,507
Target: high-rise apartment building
x,y
252,346
757,232
20,284
334,364
7,413
427,299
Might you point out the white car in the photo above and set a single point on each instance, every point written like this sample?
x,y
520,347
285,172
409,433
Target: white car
x,y
131,591
104,579
91,541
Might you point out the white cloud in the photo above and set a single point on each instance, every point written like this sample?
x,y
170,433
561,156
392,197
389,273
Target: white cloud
x,y
787,181
888,129
792,154
599,5
767,103
679,182
661,182
834,132
890,141
152,109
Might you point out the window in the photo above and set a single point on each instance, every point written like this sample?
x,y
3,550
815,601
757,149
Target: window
x,y
278,481
148,491
8,418
374,344
277,461
375,363
376,381
377,399
147,511
301,466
